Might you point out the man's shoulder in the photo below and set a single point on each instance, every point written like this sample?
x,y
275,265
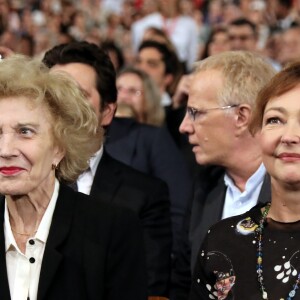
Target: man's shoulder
x,y
120,126
129,174
88,205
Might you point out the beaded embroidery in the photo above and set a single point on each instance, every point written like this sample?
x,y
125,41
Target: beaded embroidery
x,y
259,267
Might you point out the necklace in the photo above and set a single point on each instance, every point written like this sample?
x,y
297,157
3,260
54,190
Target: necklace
x,y
23,233
259,267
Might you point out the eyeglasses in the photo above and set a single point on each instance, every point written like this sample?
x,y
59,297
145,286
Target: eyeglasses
x,y
193,113
130,91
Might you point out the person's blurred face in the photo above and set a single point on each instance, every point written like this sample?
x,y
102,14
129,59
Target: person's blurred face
x,y
241,38
219,43
215,11
150,61
166,6
130,92
290,46
27,148
212,131
280,137
79,20
86,77
280,10
231,12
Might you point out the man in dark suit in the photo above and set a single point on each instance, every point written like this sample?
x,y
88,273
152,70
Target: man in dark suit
x,y
109,179
151,149
221,98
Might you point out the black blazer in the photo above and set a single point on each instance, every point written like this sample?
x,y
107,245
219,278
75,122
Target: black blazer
x,y
152,150
94,251
148,197
208,204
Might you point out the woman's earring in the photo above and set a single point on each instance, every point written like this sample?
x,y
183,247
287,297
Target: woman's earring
x,y
54,166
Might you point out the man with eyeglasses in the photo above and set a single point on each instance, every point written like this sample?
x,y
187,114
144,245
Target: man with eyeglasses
x,y
243,35
232,178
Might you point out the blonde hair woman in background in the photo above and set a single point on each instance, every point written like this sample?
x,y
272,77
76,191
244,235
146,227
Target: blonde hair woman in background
x,y
138,90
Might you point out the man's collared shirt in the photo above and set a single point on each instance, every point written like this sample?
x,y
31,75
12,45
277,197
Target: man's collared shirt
x,y
166,100
85,180
237,202
23,270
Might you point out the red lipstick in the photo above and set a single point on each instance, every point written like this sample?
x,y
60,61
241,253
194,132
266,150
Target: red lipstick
x,y
10,170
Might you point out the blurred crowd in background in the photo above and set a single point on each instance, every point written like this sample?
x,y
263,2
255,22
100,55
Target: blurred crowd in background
x,y
33,26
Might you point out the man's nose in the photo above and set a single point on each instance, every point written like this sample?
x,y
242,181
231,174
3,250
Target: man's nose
x,y
186,125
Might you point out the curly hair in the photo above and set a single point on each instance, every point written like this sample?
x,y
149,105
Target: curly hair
x,y
74,123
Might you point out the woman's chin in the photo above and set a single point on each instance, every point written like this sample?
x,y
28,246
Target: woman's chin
x,y
14,190
291,181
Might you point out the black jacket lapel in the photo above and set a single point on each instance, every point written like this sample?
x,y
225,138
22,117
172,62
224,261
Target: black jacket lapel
x,y
107,179
265,192
4,287
60,226
207,211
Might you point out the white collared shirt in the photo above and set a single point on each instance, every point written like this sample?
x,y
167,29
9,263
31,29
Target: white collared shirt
x,y
237,202
23,270
166,100
85,180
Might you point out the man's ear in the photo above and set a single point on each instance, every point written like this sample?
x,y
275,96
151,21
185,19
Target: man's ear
x,y
107,114
243,116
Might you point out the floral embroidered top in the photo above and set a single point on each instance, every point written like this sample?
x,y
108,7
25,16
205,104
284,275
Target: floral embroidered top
x,y
227,262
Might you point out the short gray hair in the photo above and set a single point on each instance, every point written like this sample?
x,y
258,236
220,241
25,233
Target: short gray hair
x,y
244,73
